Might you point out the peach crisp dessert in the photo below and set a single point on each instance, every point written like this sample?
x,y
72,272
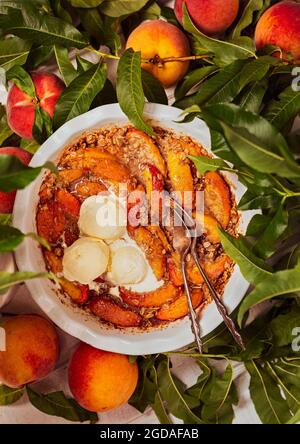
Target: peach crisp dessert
x,y
111,259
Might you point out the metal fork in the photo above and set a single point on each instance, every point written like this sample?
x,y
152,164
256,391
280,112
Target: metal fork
x,y
182,244
183,248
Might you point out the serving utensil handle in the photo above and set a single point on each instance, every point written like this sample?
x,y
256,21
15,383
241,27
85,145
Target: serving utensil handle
x,y
220,305
193,315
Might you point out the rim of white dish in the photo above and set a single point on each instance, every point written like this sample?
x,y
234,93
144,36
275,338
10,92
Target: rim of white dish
x,y
29,258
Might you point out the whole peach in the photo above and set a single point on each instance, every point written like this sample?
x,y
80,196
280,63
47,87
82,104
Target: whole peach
x,y
7,199
210,16
157,39
101,380
280,26
20,106
31,350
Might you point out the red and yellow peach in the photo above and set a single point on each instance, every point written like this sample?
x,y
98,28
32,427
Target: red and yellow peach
x,y
157,39
31,352
21,107
210,16
101,380
280,26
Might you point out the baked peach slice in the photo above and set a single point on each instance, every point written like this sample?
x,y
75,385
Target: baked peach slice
x,y
86,188
105,308
85,157
174,269
77,292
208,226
68,176
213,269
191,148
217,198
159,233
155,298
50,221
68,203
179,308
146,149
180,175
152,247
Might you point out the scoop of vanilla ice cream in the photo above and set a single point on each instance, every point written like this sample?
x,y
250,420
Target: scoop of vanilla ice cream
x,y
85,260
103,216
128,266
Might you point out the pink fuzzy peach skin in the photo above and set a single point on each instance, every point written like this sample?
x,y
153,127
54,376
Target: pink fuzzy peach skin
x,y
280,26
211,17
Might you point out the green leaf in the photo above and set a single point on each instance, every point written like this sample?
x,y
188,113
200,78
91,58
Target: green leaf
x,y
22,79
39,55
160,410
65,66
106,95
265,244
5,219
13,51
258,224
5,131
29,145
146,389
193,79
282,327
9,279
247,17
60,11
225,89
253,268
266,396
224,52
227,84
204,164
253,139
280,112
41,29
218,396
10,395
153,89
57,404
10,238
252,98
111,35
92,22
78,96
221,148
16,175
130,89
278,284
83,64
256,154
42,126
169,15
176,403
85,3
295,419
251,201
118,8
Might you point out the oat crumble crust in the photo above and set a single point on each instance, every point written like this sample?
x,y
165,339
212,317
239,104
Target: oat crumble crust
x,y
128,147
